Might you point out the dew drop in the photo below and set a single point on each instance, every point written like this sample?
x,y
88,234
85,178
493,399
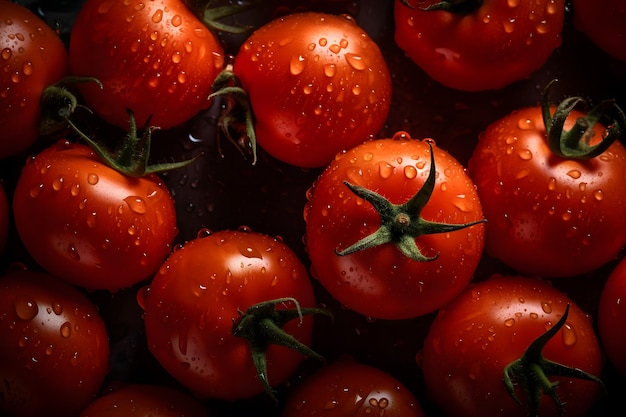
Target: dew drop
x,y
525,154
176,57
157,16
72,252
36,191
57,308
6,53
335,48
356,61
546,307
66,329
91,220
508,25
27,68
552,184
323,41
75,190
136,204
598,195
26,308
569,335
57,183
410,171
510,322
296,64
574,173
177,20
92,179
525,124
385,170
513,3
330,70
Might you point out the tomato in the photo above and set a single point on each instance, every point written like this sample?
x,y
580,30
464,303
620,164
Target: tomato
x,y
491,325
89,224
611,312
54,353
141,400
347,388
194,305
152,57
603,24
549,214
317,84
33,57
4,217
479,45
389,280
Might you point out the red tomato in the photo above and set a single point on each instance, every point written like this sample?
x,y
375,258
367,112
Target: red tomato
x,y
546,214
348,388
140,400
489,326
198,296
33,57
89,224
152,57
317,84
611,315
383,281
54,353
603,23
479,45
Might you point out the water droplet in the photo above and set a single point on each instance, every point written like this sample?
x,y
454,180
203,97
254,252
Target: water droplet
x,y
356,61
27,68
510,322
330,70
546,307
26,308
335,48
552,184
57,308
513,3
569,335
36,191
525,124
92,179
525,154
157,16
542,27
91,220
66,329
508,25
385,170
6,53
72,252
410,171
296,64
177,20
57,183
323,41
176,57
598,195
136,204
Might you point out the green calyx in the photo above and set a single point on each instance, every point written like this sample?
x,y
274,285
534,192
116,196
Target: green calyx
x,y
132,156
401,224
58,104
262,325
532,371
576,142
459,7
237,112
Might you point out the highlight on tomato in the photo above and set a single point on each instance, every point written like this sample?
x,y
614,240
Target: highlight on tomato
x,y
54,354
551,181
313,84
229,314
512,346
475,45
394,227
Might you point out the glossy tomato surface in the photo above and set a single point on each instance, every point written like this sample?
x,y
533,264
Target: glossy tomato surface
x,y
54,354
89,224
318,84
32,57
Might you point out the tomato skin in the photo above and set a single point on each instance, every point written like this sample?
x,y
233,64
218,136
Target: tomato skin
x,y
192,301
153,57
347,388
325,90
381,282
490,325
603,24
54,353
563,217
33,58
89,224
611,315
4,217
489,48
141,400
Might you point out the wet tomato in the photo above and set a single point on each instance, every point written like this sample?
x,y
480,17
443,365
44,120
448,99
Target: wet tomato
x,y
54,353
603,24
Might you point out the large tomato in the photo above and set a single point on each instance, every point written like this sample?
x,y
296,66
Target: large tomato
x,y
142,400
32,57
479,45
603,23
406,250
155,58
490,326
348,388
54,353
549,213
89,224
611,315
317,84
194,306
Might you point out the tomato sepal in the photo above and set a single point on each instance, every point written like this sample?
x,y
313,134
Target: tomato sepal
x,y
211,16
262,325
402,223
533,369
575,143
132,156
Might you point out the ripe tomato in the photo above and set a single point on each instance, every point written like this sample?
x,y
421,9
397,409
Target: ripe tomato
x,y
32,57
317,84
549,215
603,24
90,224
347,388
140,400
490,325
479,45
152,57
196,301
612,312
54,353
387,281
